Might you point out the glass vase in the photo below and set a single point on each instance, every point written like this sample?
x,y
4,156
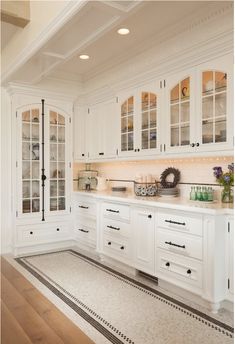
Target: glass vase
x,y
227,195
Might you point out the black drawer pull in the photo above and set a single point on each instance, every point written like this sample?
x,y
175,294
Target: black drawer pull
x,y
176,223
83,207
101,153
57,229
83,154
30,232
197,144
167,264
112,227
192,144
109,243
172,244
150,216
122,248
189,271
83,230
113,211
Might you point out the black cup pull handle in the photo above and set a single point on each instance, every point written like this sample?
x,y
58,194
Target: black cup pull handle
x,y
102,153
167,264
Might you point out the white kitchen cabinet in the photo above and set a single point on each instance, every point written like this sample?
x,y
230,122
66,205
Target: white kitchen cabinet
x,y
143,237
230,257
79,133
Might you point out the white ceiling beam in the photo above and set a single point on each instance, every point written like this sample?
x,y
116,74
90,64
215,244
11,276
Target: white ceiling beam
x,y
16,12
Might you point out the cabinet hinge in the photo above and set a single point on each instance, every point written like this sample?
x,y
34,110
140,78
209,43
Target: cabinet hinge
x,y
116,99
16,114
160,84
70,209
16,163
16,213
69,119
228,227
228,283
88,110
164,83
117,151
70,164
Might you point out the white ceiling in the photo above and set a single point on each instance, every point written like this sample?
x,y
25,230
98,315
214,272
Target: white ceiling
x,y
93,31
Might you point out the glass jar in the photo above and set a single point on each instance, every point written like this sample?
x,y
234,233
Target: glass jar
x,y
227,195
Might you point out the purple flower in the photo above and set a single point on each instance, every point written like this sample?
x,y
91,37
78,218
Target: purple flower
x,y
231,167
227,179
217,171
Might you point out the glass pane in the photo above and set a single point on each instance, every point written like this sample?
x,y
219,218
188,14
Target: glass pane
x,y
185,136
153,138
124,142
53,204
53,117
61,152
53,188
145,139
26,189
35,189
35,115
53,133
26,132
130,141
35,170
35,132
26,206
53,170
175,136
145,120
130,104
175,94
35,151
25,151
61,203
26,116
124,109
153,118
220,81
26,170
153,100
207,131
145,101
185,112
61,134
124,124
207,107
185,89
130,123
53,152
220,104
207,82
220,130
175,114
35,205
61,187
61,119
61,170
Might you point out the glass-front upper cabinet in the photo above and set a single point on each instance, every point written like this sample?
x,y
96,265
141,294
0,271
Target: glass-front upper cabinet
x,y
30,131
214,106
127,125
149,123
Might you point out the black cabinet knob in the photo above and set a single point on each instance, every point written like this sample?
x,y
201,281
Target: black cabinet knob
x,y
57,229
149,216
193,144
135,150
30,232
189,271
122,248
109,243
197,144
83,154
167,264
138,149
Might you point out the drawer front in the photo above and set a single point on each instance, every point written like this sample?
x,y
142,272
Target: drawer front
x,y
187,223
85,221
84,207
180,243
116,211
117,228
85,234
179,269
116,247
42,233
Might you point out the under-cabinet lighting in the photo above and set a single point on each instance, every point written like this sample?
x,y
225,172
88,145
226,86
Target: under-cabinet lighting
x,y
84,57
123,31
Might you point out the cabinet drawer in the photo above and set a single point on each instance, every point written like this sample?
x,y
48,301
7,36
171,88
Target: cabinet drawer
x,y
116,227
84,207
116,211
180,243
179,269
187,223
116,247
42,233
86,235
81,220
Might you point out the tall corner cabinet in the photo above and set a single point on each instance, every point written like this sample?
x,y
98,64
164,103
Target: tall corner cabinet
x,y
42,181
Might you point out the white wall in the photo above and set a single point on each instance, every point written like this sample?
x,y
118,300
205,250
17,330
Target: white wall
x,y
6,191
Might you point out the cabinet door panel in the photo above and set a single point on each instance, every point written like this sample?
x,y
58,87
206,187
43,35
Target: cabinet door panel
x,y
79,132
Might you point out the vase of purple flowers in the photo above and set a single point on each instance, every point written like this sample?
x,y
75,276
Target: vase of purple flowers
x,y
226,180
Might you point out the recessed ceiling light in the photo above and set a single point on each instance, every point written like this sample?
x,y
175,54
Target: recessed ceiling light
x,y
84,57
123,31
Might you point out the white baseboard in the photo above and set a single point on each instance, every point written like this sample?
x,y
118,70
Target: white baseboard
x,y
42,248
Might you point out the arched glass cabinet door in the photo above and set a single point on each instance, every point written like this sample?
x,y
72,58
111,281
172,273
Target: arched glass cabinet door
x,y
149,123
180,110
57,160
214,107
127,125
29,153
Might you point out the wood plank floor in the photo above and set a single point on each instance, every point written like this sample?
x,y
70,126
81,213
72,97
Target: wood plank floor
x,y
28,317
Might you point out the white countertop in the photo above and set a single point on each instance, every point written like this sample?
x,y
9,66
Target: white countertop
x,y
215,208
